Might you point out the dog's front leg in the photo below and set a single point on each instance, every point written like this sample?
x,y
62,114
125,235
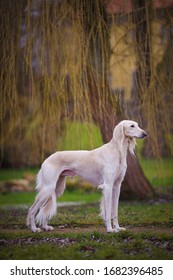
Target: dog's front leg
x,y
108,206
115,202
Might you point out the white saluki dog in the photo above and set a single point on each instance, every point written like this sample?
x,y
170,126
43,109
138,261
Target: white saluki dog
x,y
104,167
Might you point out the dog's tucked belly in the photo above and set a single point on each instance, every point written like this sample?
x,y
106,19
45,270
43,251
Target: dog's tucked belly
x,y
92,177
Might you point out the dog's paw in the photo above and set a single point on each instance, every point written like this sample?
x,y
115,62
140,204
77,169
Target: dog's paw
x,y
112,230
48,228
121,228
36,229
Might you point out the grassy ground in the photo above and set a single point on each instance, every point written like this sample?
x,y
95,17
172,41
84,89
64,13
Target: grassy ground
x,y
16,198
80,234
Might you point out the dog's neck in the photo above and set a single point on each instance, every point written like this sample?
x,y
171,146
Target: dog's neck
x,y
129,139
124,147
126,143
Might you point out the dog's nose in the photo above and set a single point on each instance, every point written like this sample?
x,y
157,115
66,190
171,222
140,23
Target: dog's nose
x,y
144,134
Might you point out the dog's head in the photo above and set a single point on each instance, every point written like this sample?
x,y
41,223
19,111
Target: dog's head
x,y
130,130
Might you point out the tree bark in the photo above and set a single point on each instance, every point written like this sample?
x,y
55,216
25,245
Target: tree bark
x,y
135,184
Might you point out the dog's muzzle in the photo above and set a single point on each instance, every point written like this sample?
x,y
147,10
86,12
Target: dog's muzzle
x,y
144,134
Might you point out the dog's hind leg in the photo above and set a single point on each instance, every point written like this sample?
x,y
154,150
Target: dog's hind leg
x,y
60,186
41,201
31,215
49,208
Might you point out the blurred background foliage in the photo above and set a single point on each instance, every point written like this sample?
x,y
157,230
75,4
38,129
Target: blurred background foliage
x,y
69,64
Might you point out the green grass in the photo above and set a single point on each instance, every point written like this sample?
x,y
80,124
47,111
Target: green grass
x,y
68,196
159,173
79,136
80,234
92,246
13,173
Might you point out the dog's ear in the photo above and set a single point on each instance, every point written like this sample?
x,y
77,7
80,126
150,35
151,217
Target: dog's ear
x,y
118,135
132,145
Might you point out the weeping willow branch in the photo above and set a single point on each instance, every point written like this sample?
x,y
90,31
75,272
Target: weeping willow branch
x,y
55,67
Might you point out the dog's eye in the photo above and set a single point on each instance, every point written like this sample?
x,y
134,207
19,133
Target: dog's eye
x,y
132,125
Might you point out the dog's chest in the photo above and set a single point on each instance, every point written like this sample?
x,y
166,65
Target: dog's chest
x,y
115,170
120,170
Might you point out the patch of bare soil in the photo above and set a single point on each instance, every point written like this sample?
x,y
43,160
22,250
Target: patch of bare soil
x,y
103,230
64,229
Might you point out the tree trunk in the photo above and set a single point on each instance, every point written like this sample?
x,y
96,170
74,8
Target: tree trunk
x,y
135,184
164,119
